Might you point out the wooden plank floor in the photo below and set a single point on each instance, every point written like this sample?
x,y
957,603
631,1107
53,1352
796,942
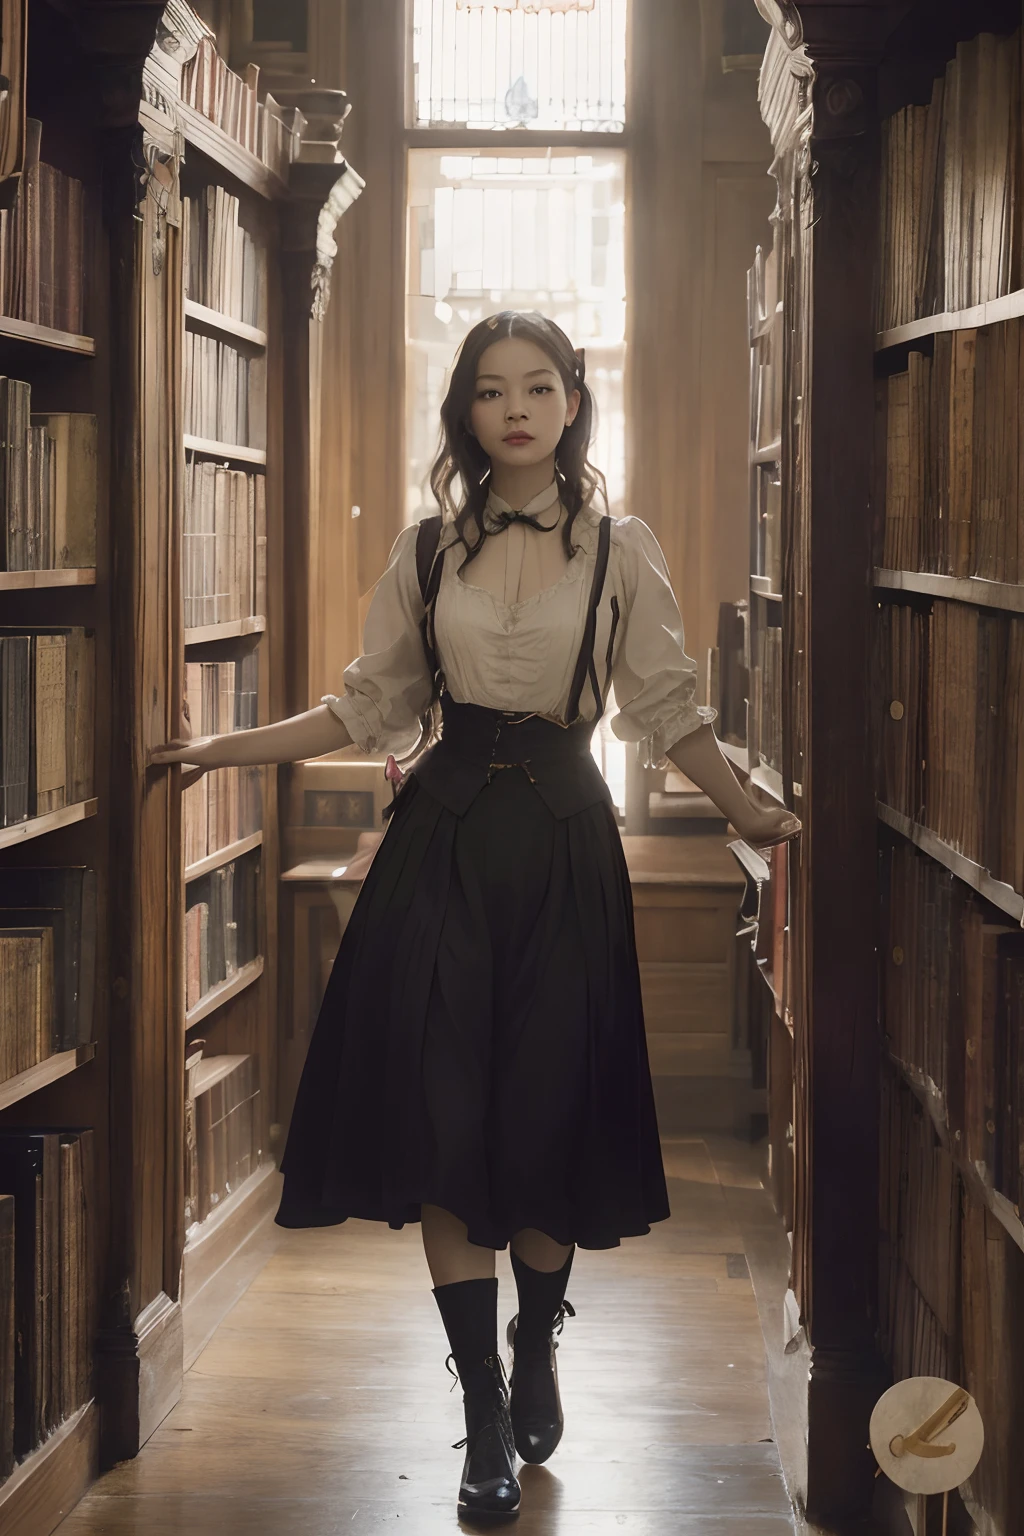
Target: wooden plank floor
x,y
321,1404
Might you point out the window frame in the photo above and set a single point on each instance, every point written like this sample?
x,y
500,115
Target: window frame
x,y
510,138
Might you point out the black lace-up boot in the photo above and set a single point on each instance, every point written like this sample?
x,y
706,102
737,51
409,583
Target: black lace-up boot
x,y
469,1312
536,1407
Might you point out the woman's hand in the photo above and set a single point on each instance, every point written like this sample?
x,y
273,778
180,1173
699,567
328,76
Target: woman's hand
x,y
200,751
767,825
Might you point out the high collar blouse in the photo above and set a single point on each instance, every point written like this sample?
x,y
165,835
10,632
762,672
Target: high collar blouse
x,y
508,627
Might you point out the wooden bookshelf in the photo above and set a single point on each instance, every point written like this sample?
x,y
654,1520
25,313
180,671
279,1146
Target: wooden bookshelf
x,y
42,1074
229,155
1005,595
21,581
974,1180
1009,306
223,325
223,856
39,826
234,453
45,336
996,891
51,1480
224,992
231,629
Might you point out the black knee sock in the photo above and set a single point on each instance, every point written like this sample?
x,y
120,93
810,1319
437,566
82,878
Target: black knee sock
x,y
469,1311
541,1293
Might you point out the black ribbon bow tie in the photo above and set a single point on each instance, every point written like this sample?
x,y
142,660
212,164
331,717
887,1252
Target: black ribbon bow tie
x,y
503,519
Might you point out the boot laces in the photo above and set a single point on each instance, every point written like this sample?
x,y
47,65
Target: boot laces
x,y
497,1368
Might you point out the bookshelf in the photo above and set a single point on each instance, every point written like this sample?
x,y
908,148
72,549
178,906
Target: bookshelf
x,y
57,806
949,595
144,573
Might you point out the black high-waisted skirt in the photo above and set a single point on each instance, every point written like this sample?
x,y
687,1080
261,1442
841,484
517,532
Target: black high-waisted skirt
x,y
481,1042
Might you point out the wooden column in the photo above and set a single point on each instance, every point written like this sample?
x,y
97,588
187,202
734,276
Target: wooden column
x,y
305,580
838,1073
139,1346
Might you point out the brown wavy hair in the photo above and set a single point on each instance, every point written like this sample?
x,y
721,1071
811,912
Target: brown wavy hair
x,y
460,456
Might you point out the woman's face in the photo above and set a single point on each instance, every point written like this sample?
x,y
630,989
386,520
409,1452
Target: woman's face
x,y
520,409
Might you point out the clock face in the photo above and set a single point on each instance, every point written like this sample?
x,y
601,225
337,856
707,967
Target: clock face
x,y
927,1434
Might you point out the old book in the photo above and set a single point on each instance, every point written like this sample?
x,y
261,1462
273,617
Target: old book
x,y
29,1170
27,1034
65,899
73,434
50,706
15,729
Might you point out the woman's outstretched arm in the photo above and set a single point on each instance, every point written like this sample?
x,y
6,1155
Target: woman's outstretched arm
x,y
286,741
700,757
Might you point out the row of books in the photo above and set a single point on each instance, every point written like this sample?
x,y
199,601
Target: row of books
x,y
226,804
47,484
954,492
221,925
230,101
223,1131
47,963
949,728
949,1286
951,205
919,1248
224,558
45,1284
42,244
225,268
225,393
765,719
47,724
953,986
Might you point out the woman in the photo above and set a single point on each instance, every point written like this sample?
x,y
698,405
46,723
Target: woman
x,y
479,1063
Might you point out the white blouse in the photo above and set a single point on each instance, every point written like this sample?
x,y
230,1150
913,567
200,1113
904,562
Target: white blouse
x,y
508,633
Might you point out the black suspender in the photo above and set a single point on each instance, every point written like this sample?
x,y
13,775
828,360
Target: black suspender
x,y
428,571
585,659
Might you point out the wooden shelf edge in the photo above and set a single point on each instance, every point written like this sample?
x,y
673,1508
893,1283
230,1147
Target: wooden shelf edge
x,y
211,140
38,826
18,581
221,856
43,1073
770,454
224,991
231,629
1009,306
226,325
1007,595
44,1487
928,1095
210,448
999,894
754,864
763,587
46,336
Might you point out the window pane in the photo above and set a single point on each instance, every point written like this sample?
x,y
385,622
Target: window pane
x,y
488,232
520,64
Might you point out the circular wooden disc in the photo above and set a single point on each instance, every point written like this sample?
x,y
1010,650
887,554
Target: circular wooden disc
x,y
900,1411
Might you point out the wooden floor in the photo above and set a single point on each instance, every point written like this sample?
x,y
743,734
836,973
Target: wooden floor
x,y
321,1405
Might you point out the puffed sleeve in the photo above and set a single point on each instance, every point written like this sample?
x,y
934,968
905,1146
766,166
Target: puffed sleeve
x,y
388,687
653,678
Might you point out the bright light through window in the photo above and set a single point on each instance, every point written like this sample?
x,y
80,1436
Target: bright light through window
x,y
511,231
543,64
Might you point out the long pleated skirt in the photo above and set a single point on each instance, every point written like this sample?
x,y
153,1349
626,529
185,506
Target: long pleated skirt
x,y
480,1045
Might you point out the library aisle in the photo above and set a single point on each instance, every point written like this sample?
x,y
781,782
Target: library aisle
x,y
321,1404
